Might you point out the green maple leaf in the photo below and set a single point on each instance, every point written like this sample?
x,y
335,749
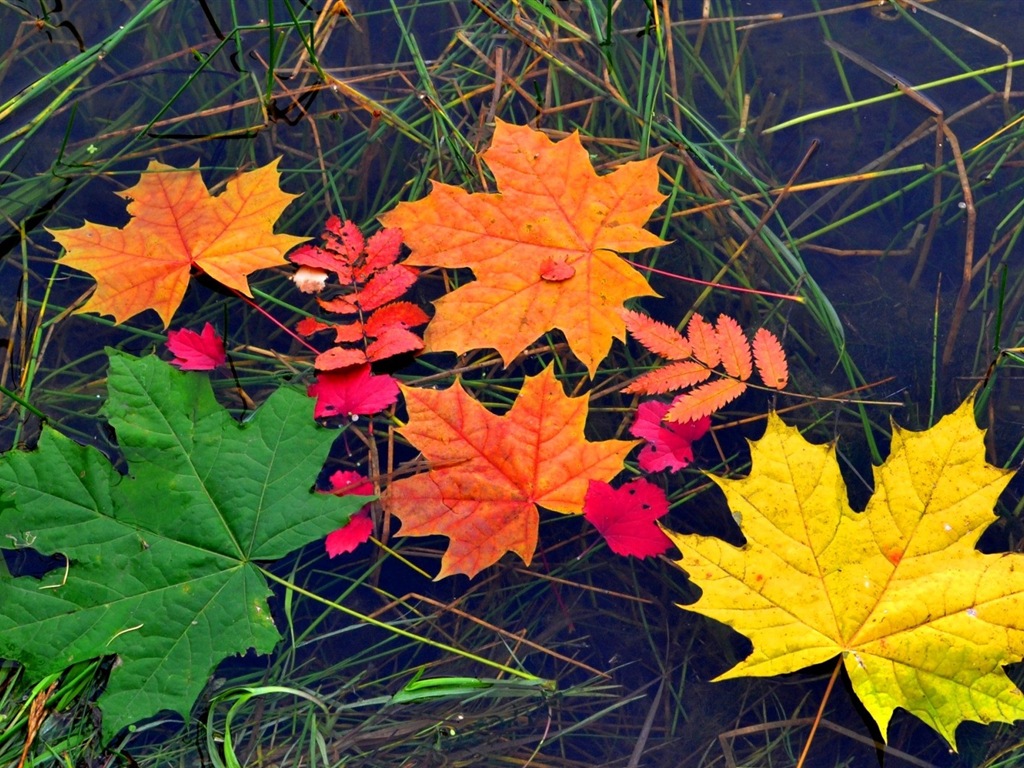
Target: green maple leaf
x,y
162,562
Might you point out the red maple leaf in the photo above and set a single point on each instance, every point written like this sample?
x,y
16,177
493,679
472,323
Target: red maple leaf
x,y
369,284
359,527
196,351
626,516
669,444
351,391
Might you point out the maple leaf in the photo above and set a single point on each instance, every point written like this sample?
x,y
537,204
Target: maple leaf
x,y
352,391
372,281
161,561
625,516
196,351
489,473
922,620
176,227
359,527
544,249
669,446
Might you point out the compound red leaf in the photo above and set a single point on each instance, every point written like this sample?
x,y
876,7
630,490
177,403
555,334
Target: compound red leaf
x,y
625,516
386,285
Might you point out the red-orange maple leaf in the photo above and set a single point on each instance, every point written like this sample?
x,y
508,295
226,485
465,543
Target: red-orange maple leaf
x,y
177,226
489,473
544,249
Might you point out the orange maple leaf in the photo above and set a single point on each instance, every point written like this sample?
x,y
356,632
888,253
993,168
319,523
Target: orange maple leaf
x,y
489,473
177,226
544,249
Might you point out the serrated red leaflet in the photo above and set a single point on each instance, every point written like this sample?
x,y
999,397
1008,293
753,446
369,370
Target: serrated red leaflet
x,y
625,516
339,357
307,326
382,251
386,285
659,338
705,399
345,238
393,341
339,306
403,314
671,377
704,340
348,333
733,348
770,358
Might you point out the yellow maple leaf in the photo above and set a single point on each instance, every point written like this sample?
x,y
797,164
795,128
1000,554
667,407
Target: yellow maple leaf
x,y
544,249
923,621
177,225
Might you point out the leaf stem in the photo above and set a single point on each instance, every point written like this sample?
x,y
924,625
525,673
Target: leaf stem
x,y
821,711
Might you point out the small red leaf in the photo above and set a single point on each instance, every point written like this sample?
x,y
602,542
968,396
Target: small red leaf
x,y
352,391
357,530
196,351
556,270
669,445
359,527
625,516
